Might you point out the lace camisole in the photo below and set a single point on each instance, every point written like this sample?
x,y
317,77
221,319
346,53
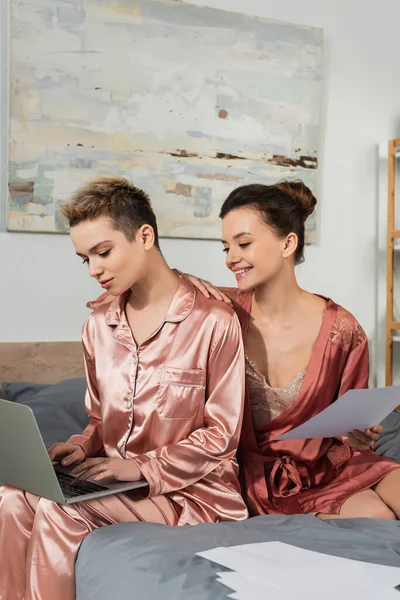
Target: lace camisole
x,y
267,402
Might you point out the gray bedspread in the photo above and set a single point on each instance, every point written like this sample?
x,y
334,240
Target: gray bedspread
x,y
145,561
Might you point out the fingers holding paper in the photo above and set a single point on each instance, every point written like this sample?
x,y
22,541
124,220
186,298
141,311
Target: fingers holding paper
x,y
362,440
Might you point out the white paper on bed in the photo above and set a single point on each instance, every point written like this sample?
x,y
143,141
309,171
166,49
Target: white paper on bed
x,y
248,588
287,571
276,561
356,409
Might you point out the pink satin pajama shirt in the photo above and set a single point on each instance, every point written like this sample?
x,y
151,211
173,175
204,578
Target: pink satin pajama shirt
x,y
174,406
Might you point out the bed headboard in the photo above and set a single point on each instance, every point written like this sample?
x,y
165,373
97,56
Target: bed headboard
x,y
40,362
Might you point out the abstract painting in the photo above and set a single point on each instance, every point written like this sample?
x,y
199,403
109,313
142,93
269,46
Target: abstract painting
x,y
188,102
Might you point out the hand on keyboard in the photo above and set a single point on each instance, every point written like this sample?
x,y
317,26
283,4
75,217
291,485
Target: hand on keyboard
x,y
67,454
72,488
108,468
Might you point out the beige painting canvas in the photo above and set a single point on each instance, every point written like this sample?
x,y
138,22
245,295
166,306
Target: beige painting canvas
x,y
188,102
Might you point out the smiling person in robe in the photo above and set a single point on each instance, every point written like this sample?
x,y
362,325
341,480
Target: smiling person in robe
x,y
303,351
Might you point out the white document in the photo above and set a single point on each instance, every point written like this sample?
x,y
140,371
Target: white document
x,y
276,570
249,588
356,409
274,562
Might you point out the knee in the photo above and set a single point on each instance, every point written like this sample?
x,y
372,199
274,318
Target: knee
x,y
45,507
51,512
381,511
9,496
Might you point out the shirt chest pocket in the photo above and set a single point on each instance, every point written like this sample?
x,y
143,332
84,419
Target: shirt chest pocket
x,y
180,392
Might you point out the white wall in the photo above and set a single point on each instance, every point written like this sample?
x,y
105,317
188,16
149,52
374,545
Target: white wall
x,y
43,287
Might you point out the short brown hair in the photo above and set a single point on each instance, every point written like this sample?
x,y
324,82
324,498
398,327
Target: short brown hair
x,y
283,206
127,206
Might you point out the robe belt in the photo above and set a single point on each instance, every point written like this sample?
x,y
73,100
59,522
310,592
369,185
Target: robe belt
x,y
284,477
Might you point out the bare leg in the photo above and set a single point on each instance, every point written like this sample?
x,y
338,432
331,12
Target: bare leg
x,y
388,490
367,504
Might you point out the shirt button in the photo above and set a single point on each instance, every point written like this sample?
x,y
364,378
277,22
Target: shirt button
x,y
128,404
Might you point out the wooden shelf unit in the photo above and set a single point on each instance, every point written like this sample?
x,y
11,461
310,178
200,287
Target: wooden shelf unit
x,y
392,326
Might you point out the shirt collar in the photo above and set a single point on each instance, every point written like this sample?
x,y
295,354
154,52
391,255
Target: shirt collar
x,y
179,309
182,302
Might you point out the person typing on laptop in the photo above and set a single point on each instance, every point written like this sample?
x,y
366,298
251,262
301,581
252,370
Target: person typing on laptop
x,y
165,378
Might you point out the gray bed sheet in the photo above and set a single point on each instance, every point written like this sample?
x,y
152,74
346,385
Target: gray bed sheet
x,y
145,561
151,562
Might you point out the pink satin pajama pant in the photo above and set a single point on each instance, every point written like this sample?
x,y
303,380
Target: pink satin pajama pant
x,y
39,539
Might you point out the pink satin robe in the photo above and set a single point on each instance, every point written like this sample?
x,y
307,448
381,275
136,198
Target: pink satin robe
x,y
318,475
174,405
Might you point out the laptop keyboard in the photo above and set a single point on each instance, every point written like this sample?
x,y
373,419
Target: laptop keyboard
x,y
81,488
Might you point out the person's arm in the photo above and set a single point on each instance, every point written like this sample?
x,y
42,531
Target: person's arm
x,y
356,371
177,466
224,294
91,439
355,376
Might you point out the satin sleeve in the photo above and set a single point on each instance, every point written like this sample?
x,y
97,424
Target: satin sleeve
x,y
356,371
178,466
91,439
355,376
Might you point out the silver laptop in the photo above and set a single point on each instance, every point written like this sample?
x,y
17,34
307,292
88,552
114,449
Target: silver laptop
x,y
25,463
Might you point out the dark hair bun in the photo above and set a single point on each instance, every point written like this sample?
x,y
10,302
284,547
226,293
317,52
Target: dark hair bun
x,y
301,194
